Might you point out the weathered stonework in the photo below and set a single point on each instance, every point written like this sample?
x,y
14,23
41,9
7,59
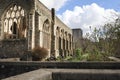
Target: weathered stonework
x,y
32,21
60,70
12,48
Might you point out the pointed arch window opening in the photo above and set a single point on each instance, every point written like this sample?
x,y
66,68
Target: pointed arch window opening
x,y
14,18
57,38
14,29
46,34
46,26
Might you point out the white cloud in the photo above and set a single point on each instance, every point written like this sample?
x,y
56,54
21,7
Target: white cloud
x,y
89,15
57,4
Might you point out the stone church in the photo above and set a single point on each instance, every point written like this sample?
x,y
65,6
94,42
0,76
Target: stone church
x,y
25,24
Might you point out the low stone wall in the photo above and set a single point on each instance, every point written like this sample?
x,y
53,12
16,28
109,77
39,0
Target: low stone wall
x,y
8,69
12,48
33,75
86,74
69,74
64,65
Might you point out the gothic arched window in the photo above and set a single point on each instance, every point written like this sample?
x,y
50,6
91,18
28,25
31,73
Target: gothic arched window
x,y
14,22
46,26
46,34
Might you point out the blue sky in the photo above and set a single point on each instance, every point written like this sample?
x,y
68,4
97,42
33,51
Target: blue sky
x,y
107,4
85,13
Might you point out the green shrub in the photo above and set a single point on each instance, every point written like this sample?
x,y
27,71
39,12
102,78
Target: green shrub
x,y
96,56
68,58
78,53
39,53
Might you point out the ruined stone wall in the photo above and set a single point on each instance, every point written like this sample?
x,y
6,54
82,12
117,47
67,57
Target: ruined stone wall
x,y
42,10
41,26
55,40
27,5
63,38
15,47
62,25
12,48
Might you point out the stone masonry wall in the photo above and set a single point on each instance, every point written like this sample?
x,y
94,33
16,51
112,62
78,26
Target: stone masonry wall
x,y
8,69
27,5
12,48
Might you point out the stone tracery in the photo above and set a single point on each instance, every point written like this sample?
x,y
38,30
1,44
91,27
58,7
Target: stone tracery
x,y
14,22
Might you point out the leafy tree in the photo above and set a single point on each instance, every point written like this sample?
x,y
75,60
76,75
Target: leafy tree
x,y
104,42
